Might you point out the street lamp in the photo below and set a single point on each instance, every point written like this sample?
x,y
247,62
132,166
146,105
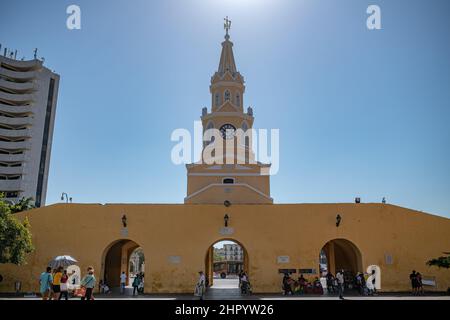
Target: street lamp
x,y
64,195
124,221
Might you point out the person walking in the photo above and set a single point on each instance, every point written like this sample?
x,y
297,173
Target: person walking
x,y
57,283
136,283
413,278
45,283
330,279
341,283
88,283
419,284
64,285
374,281
200,286
123,282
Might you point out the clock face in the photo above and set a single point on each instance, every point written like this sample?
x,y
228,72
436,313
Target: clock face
x,y
228,131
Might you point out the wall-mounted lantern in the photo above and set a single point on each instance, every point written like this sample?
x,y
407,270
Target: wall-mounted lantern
x,y
226,218
124,221
338,220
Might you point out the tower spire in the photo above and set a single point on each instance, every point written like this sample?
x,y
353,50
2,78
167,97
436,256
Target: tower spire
x,y
227,62
227,27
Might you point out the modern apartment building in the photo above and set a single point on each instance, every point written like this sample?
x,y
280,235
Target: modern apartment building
x,y
28,97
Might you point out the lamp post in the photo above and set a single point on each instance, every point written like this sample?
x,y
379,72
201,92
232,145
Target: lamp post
x,y
64,195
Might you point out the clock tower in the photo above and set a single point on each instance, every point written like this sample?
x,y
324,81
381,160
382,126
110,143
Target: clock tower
x,y
228,170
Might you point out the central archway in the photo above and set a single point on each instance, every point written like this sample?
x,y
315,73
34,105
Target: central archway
x,y
122,256
225,260
341,254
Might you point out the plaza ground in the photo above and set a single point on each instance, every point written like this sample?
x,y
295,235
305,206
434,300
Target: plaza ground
x,y
227,289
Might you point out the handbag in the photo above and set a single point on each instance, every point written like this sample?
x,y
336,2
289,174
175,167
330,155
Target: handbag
x,y
64,286
81,292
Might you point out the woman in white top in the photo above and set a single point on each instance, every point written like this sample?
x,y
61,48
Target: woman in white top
x,y
200,286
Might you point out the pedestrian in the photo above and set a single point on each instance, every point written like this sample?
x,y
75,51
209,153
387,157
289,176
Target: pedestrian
x,y
64,285
141,283
245,284
341,283
413,278
359,283
330,279
419,284
57,283
88,283
136,283
45,283
287,284
374,287
200,286
123,282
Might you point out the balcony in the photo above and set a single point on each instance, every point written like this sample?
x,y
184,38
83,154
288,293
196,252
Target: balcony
x,y
22,145
21,64
17,75
12,157
15,121
10,185
17,98
11,170
23,133
17,86
16,109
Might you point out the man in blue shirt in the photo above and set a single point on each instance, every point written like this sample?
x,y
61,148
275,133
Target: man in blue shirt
x,y
45,283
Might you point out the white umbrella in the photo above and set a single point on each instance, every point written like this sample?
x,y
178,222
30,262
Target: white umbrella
x,y
62,261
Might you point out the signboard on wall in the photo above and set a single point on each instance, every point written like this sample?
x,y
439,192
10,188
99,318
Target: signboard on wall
x,y
307,271
175,259
288,271
283,259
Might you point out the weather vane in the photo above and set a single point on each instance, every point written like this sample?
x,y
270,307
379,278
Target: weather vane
x,y
227,26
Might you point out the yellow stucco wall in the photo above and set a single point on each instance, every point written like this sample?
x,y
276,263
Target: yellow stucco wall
x,y
266,231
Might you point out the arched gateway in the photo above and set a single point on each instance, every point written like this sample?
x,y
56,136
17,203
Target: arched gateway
x,y
226,260
341,254
121,256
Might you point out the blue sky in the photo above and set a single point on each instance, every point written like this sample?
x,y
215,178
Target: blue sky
x,y
361,113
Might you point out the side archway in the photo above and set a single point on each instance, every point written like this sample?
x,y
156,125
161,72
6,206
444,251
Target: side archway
x,y
121,256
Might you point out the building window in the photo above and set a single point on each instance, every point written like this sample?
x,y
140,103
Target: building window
x,y
217,99
228,181
238,99
227,96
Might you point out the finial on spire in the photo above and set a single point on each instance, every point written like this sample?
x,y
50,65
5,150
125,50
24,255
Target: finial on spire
x,y
227,27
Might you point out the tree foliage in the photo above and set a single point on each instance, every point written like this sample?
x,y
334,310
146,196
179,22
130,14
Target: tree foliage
x,y
23,205
15,236
441,262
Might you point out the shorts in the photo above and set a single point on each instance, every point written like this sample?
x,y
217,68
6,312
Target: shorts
x,y
56,288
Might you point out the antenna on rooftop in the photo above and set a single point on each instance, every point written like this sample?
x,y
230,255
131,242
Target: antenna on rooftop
x,y
35,53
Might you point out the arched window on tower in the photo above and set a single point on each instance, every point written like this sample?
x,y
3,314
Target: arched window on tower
x,y
238,99
217,99
227,95
209,126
